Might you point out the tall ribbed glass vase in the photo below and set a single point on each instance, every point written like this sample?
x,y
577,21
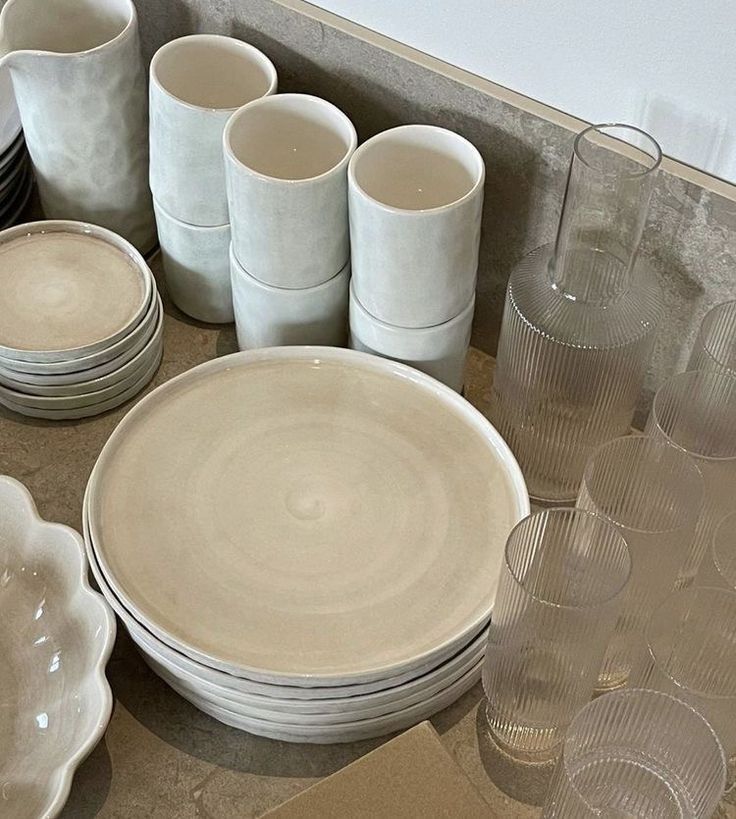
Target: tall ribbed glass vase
x,y
580,317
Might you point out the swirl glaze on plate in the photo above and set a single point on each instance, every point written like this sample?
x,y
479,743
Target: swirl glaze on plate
x,y
305,513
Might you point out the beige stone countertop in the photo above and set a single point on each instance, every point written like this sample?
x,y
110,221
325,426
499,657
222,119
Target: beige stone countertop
x,y
160,756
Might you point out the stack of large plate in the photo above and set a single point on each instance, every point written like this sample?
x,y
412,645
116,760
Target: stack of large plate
x,y
16,176
81,320
305,542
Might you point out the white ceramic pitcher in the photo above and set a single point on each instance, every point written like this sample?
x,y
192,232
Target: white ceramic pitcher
x,y
80,85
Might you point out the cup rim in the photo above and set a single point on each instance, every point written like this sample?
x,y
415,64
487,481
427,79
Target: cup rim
x,y
567,606
417,213
159,208
665,446
171,45
690,590
675,379
595,704
415,332
729,518
601,128
278,99
705,326
238,268
121,35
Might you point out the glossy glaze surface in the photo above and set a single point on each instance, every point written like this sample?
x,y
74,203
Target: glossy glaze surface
x,y
286,159
308,463
196,83
439,351
276,316
415,199
62,290
79,82
55,639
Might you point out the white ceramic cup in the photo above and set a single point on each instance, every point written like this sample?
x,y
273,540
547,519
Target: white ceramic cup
x,y
197,267
286,161
438,351
268,316
196,84
416,200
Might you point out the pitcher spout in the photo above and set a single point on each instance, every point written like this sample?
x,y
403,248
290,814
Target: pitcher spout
x,y
80,85
64,27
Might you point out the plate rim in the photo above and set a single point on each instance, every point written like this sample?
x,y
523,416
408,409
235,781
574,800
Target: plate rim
x,y
141,636
141,361
444,393
84,229
120,348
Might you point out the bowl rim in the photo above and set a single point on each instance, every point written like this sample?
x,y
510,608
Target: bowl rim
x,y
96,608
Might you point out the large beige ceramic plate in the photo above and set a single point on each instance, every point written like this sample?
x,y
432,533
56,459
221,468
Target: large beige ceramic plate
x,y
67,290
305,515
290,698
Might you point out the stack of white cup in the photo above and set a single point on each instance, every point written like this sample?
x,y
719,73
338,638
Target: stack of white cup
x,y
416,199
197,82
286,160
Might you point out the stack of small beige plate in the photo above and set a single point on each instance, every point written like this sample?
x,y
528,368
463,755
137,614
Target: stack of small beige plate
x,y
81,322
316,540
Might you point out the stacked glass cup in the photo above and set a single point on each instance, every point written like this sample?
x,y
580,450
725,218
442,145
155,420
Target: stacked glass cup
x,y
632,594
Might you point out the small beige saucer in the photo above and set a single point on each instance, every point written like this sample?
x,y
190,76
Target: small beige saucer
x,y
67,290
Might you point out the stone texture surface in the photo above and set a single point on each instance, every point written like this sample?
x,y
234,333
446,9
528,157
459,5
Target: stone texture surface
x,y
162,758
691,240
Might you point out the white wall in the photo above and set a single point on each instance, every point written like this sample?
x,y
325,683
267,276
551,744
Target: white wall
x,y
668,66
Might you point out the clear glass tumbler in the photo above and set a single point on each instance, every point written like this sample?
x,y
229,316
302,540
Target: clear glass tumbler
x,y
560,593
691,654
696,411
653,493
580,317
715,345
637,753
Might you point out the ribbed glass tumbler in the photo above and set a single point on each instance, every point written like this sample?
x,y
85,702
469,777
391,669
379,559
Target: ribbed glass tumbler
x,y
696,411
559,595
637,754
715,345
691,654
580,317
653,493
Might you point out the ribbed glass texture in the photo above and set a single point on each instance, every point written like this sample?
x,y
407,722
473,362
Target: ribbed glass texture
x,y
696,411
691,654
715,345
720,569
653,493
637,754
580,317
560,592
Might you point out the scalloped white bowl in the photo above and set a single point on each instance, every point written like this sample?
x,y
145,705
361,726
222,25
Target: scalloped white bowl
x,y
56,635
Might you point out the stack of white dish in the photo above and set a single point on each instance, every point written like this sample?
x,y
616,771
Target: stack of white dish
x,y
416,199
81,322
286,161
325,572
196,83
16,176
